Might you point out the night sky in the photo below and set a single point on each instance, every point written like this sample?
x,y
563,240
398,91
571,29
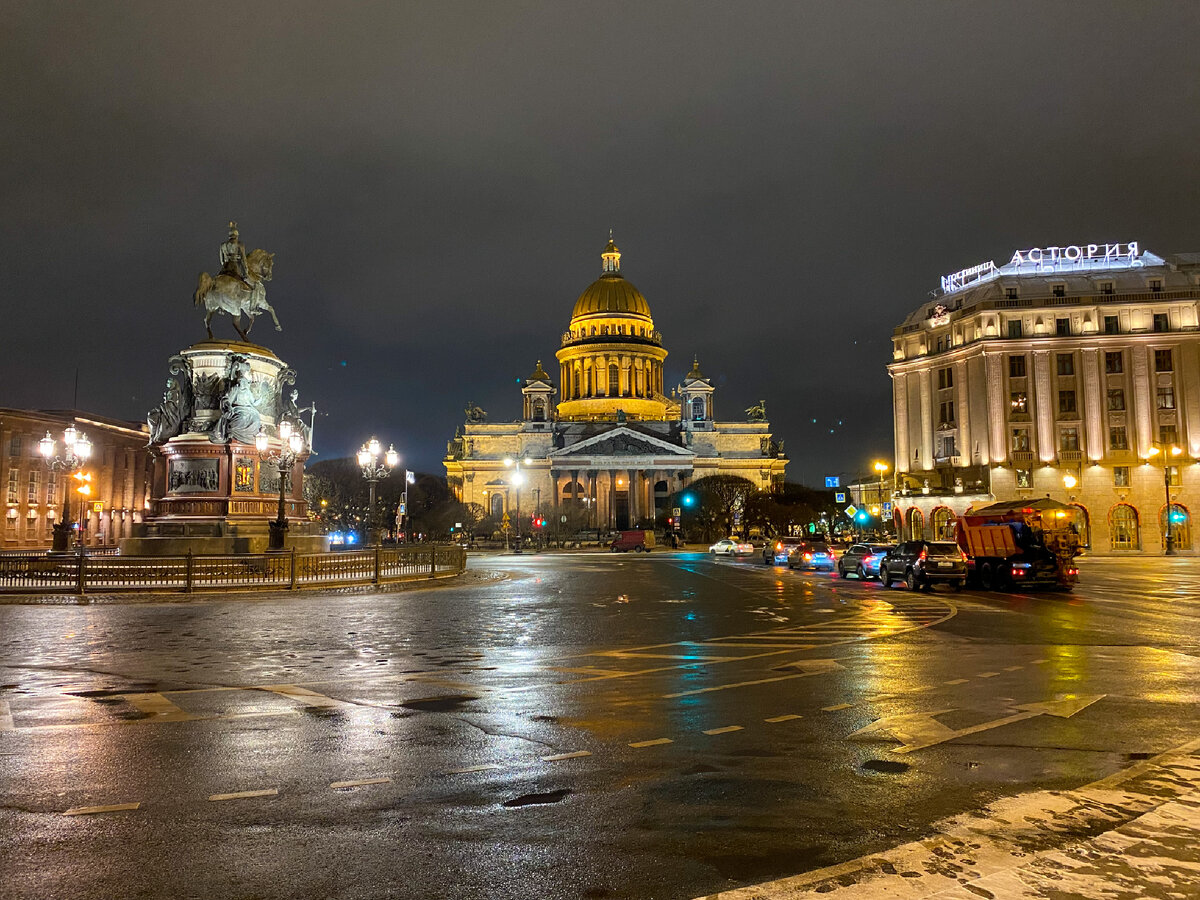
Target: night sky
x,y
785,181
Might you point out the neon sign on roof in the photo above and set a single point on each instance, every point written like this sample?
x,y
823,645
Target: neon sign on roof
x,y
1047,260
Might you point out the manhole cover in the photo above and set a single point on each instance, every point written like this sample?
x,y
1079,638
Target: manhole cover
x,y
886,766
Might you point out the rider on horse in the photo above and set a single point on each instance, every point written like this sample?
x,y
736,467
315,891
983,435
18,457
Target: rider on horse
x,y
233,257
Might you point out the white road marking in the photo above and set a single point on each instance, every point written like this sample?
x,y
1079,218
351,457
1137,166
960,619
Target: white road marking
x,y
305,696
242,795
956,681
987,674
361,782
576,755
1038,662
837,707
6,722
786,718
814,666
485,768
653,743
1012,668
92,810
725,730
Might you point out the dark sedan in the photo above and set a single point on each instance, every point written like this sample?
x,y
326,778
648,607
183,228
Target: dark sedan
x,y
863,560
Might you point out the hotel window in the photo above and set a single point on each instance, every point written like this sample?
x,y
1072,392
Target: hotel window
x,y
1062,327
11,528
1117,439
1116,399
1024,478
1155,285
1173,477
1162,361
1106,287
1161,322
1016,367
1019,401
1114,362
945,378
1166,398
1059,290
1014,328
1020,439
1120,476
947,446
14,481
31,492
947,413
52,488
1010,293
1112,325
14,445
1068,439
1167,434
1066,402
1066,364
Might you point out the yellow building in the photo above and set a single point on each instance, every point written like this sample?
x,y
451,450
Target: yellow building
x,y
614,446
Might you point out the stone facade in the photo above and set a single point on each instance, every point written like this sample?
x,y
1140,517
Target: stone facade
x,y
120,466
614,447
1076,381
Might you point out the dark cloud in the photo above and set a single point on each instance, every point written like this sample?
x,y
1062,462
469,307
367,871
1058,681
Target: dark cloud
x,y
787,181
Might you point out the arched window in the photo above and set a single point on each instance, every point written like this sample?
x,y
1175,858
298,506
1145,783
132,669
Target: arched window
x,y
698,409
916,524
1180,523
614,380
539,410
573,490
497,506
943,524
1123,528
1083,522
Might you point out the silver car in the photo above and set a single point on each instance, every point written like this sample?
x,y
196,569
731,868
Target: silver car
x,y
863,560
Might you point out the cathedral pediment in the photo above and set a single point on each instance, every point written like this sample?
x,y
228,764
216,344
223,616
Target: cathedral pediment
x,y
622,442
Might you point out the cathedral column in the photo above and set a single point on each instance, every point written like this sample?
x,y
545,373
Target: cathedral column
x,y
612,499
633,497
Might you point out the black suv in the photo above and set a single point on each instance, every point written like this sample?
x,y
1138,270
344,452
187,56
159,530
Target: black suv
x,y
920,564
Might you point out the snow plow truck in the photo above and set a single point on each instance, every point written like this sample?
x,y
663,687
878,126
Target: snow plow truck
x,y
1020,542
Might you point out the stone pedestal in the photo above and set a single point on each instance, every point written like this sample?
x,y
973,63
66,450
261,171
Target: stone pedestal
x,y
213,497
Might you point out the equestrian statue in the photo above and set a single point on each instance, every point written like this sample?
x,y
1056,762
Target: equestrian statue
x,y
239,289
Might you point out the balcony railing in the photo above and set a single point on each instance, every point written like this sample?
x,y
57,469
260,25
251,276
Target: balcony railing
x,y
1022,458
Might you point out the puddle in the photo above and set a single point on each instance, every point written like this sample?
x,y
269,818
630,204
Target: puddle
x,y
438,704
885,766
538,799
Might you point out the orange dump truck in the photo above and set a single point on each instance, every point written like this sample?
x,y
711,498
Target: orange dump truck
x,y
1020,542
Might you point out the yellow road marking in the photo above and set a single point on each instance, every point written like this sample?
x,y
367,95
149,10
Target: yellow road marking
x,y
1012,668
786,718
6,722
576,755
157,706
485,768
987,674
956,681
92,810
653,743
361,782
305,696
825,665
836,708
242,795
724,730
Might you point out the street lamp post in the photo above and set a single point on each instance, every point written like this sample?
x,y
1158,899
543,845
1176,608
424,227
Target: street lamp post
x,y
76,450
517,480
881,467
1168,452
375,464
291,445
404,517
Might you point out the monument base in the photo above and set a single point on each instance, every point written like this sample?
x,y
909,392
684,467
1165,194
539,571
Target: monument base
x,y
219,539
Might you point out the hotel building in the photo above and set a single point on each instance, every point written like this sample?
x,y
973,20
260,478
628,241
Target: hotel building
x,y
1070,372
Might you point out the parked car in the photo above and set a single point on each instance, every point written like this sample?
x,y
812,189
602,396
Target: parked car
x,y
811,555
922,564
776,552
637,541
863,560
730,547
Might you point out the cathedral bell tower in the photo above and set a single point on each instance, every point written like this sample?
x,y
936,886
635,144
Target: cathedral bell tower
x,y
696,400
539,399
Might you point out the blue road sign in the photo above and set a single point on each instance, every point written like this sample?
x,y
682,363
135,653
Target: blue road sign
x,y
833,481
839,497
887,508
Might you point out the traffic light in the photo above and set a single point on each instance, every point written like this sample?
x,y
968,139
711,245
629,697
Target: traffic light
x,y
689,499
670,520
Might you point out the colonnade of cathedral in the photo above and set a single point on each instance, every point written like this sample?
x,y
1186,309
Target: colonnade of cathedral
x,y
610,375
602,493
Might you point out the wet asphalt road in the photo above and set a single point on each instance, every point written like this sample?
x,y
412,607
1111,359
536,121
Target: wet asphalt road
x,y
582,726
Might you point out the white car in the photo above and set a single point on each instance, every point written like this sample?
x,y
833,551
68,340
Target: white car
x,y
729,547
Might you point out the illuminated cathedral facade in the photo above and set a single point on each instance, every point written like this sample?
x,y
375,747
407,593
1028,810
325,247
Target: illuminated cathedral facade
x,y
603,445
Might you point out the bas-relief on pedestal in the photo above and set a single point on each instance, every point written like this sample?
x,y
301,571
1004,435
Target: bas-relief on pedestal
x,y
211,492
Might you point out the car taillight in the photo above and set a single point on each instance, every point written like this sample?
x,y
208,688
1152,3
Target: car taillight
x,y
922,556
808,556
1072,571
963,555
779,546
1018,573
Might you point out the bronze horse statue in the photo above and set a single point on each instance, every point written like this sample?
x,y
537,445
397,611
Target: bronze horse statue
x,y
230,294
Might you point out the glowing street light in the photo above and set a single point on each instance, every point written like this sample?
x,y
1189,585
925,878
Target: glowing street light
x,y
881,467
76,450
1168,452
516,481
291,445
374,468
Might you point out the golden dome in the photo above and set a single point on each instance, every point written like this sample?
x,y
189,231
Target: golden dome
x,y
610,293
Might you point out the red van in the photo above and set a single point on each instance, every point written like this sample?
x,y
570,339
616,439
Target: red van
x,y
637,541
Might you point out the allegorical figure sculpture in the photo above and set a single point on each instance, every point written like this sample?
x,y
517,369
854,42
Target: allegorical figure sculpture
x,y
168,418
239,289
758,412
239,419
475,414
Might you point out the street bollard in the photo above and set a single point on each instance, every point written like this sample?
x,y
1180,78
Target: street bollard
x,y
292,585
375,580
187,586
80,573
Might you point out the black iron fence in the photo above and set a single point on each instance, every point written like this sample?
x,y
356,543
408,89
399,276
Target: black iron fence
x,y
75,574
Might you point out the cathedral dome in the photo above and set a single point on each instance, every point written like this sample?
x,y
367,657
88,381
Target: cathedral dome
x,y
611,294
